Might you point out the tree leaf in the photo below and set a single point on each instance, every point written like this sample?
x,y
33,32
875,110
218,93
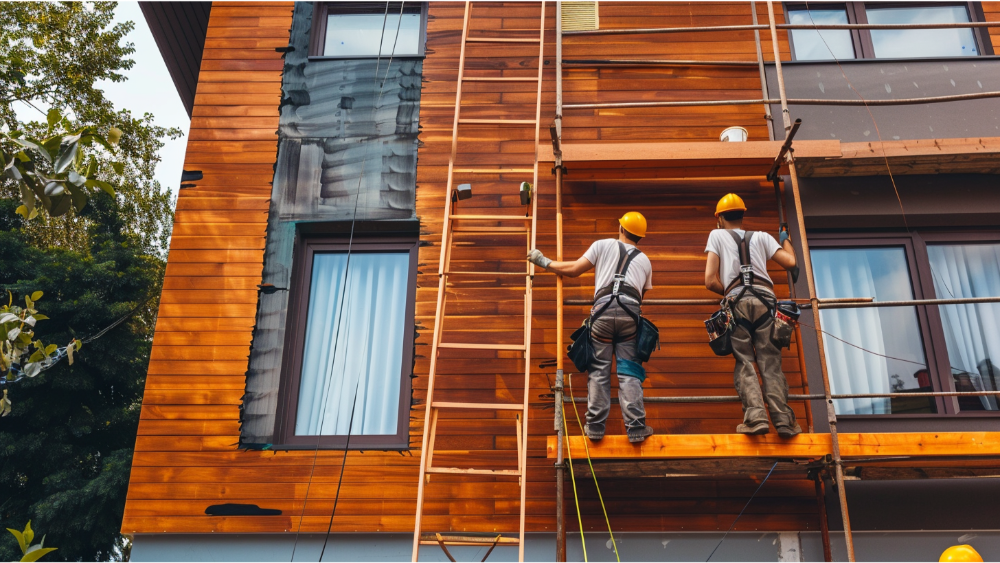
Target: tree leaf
x,y
76,179
51,348
37,554
33,369
9,317
94,183
37,147
69,353
29,535
60,205
40,317
18,535
118,167
54,117
114,135
13,333
35,296
53,189
68,148
78,196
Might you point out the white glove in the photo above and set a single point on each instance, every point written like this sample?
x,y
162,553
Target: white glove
x,y
537,258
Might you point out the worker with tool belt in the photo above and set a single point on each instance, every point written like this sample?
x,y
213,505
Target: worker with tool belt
x,y
737,269
623,275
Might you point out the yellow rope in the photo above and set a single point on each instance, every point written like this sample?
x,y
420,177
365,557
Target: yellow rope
x,y
572,478
569,379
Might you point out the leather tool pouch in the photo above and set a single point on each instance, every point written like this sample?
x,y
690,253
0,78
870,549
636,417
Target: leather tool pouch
x,y
786,316
581,351
720,331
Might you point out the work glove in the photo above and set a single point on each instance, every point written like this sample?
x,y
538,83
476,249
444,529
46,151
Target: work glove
x,y
782,235
795,274
537,258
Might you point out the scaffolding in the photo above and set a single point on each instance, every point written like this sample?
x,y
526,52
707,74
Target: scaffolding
x,y
835,460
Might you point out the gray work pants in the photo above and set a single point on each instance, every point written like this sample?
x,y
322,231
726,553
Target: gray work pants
x,y
613,333
758,346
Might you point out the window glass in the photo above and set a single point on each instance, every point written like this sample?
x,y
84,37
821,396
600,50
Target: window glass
x,y
881,273
916,43
352,357
971,331
809,45
358,30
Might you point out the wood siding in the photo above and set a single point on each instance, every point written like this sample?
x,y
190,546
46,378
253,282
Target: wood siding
x,y
185,454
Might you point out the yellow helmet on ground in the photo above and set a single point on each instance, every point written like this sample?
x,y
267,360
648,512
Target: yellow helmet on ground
x,y
634,222
730,202
961,553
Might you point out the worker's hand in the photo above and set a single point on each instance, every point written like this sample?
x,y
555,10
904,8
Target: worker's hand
x,y
783,235
537,258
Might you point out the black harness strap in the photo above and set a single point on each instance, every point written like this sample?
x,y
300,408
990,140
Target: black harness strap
x,y
624,261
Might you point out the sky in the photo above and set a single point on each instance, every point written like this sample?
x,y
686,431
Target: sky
x,y
150,89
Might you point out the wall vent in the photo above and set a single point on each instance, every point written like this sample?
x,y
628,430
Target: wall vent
x,y
579,15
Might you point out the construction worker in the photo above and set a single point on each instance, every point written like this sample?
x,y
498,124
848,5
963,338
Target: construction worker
x,y
622,276
737,269
961,553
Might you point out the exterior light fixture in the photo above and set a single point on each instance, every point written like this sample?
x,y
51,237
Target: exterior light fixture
x,y
734,135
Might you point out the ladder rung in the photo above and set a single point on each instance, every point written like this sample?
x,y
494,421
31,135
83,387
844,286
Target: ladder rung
x,y
489,218
501,40
489,229
493,170
459,471
481,406
497,121
430,539
464,346
487,273
500,79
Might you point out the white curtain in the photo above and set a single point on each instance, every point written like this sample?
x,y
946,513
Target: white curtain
x,y
848,273
971,331
353,344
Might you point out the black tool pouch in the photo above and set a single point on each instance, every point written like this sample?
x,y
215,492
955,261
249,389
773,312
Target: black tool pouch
x,y
786,315
581,351
720,331
647,340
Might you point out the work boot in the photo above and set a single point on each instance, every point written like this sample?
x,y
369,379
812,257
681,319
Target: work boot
x,y
789,432
755,429
593,434
638,435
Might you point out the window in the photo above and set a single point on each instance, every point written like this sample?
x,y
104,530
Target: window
x,y
827,44
368,29
898,363
911,349
350,344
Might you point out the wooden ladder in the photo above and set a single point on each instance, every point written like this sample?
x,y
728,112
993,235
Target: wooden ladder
x,y
484,225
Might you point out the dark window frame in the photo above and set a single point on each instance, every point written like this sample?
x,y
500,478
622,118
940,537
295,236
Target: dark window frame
x,y
317,37
864,48
296,323
922,282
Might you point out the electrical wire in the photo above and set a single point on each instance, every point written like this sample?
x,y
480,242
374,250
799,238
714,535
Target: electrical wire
x,y
336,338
747,505
572,478
586,446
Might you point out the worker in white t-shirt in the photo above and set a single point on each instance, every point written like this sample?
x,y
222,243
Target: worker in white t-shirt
x,y
752,301
614,329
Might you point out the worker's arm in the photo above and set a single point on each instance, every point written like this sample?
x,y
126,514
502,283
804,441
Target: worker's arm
x,y
712,280
569,269
785,256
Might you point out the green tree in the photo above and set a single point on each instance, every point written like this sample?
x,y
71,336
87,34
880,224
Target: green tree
x,y
53,55
66,449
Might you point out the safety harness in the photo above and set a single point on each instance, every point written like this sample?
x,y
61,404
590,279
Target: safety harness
x,y
618,286
748,280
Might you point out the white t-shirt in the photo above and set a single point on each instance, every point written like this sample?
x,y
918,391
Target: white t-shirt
x,y
603,254
762,248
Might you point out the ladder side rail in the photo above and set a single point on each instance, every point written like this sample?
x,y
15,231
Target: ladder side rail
x,y
442,283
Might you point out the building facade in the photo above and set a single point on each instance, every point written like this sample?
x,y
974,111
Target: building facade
x,y
287,396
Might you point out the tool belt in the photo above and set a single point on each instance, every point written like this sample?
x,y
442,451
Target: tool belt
x,y
647,336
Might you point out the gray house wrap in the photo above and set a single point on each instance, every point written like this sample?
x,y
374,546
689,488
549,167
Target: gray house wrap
x,y
347,155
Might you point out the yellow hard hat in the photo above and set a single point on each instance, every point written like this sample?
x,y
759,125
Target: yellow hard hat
x,y
634,222
730,202
961,553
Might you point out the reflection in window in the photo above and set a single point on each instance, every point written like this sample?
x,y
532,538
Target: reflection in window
x,y
881,273
971,331
916,43
358,29
353,344
809,45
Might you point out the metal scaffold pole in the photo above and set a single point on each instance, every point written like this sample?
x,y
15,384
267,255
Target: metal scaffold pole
x,y
559,427
828,400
